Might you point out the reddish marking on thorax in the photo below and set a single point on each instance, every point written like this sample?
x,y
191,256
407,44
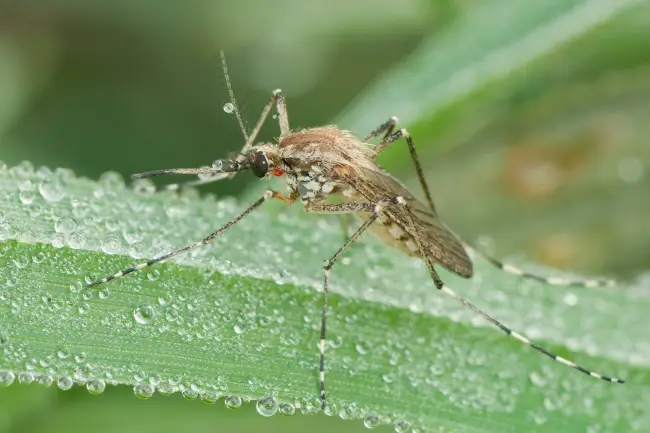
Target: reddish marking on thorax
x,y
277,171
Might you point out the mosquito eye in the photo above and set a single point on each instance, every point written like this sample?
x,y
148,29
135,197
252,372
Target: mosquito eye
x,y
260,164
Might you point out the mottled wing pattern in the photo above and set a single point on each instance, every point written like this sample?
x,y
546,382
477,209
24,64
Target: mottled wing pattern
x,y
443,246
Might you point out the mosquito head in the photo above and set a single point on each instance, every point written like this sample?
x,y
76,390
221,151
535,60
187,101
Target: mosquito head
x,y
259,163
263,161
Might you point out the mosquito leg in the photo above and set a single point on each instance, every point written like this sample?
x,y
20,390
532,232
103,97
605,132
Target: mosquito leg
x,y
376,209
390,139
445,289
553,281
205,241
386,127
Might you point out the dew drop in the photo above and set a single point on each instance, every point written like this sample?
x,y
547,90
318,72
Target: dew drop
x,y
45,380
153,275
64,383
570,299
267,406
84,308
144,314
26,378
6,378
209,397
143,390
240,327
232,402
96,386
217,165
51,191
402,426
363,348
228,107
27,197
190,393
111,244
58,240
371,421
65,225
287,409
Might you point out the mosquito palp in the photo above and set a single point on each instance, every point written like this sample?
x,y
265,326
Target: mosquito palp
x,y
322,162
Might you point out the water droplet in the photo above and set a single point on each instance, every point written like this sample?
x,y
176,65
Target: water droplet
x,y
267,406
45,380
58,240
371,421
287,409
51,191
228,107
537,379
209,397
232,402
84,308
144,314
26,378
111,244
190,392
39,257
388,377
217,164
104,293
64,383
111,181
27,197
96,386
143,390
363,348
65,225
240,327
570,299
402,426
6,378
153,275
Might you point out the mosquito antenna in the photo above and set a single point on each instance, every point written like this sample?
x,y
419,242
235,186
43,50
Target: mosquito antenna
x,y
206,170
218,167
224,66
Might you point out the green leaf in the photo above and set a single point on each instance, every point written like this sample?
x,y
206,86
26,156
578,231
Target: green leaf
x,y
241,317
442,79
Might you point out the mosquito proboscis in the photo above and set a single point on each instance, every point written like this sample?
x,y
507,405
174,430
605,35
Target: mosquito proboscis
x,y
322,162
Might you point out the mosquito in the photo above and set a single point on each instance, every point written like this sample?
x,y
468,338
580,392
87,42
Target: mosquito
x,y
324,162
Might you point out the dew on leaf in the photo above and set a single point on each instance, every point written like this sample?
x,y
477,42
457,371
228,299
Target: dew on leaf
x,y
267,406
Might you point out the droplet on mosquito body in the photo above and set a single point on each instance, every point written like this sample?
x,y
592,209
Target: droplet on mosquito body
x,y
228,107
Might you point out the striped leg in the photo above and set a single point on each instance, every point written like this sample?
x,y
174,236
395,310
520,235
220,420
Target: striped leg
x,y
445,289
204,241
403,133
343,208
553,281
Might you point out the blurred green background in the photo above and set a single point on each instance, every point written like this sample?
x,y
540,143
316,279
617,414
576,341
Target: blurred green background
x,y
550,165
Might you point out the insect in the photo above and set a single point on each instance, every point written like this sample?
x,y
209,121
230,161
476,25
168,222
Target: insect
x,y
324,162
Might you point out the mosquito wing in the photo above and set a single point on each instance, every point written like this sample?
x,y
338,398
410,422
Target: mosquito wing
x,y
440,244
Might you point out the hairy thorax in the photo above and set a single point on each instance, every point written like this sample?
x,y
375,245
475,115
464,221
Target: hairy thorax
x,y
317,159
